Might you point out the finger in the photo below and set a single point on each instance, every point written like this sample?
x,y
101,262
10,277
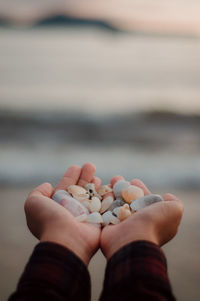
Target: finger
x,y
70,177
87,174
177,207
44,189
170,197
115,179
140,184
97,182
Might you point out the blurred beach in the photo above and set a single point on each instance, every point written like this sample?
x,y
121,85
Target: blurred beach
x,y
126,100
130,103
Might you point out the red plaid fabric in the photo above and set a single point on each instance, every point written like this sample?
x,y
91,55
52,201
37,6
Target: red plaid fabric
x,y
136,272
53,273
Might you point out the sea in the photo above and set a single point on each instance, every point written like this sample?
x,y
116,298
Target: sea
x,y
128,102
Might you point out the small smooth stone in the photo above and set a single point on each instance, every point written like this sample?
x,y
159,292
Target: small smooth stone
x,y
95,218
124,212
104,189
106,203
86,203
95,204
119,186
74,206
76,189
91,190
59,195
145,201
116,203
78,192
82,199
106,217
132,193
81,218
114,220
115,211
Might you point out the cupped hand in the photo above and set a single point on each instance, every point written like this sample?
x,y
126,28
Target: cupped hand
x,y
49,221
157,223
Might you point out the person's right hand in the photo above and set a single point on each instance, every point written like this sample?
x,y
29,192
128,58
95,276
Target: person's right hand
x,y
157,223
49,221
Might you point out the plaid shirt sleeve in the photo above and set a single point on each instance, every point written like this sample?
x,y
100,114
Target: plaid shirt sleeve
x,y
53,273
137,272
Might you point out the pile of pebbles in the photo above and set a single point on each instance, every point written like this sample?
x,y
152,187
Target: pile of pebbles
x,y
104,206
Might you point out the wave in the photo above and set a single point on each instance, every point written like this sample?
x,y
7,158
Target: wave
x,y
152,130
162,148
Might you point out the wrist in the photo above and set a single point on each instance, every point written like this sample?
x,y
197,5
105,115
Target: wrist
x,y
115,248
69,243
141,232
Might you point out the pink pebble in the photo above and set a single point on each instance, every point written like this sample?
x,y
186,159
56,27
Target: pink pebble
x,y
74,206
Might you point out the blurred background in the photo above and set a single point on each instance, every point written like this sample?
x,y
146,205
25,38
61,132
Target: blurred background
x,y
114,82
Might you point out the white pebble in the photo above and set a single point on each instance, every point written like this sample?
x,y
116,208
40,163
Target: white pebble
x,y
94,204
119,186
107,217
78,192
86,203
81,218
145,201
106,203
104,189
95,218
90,187
114,220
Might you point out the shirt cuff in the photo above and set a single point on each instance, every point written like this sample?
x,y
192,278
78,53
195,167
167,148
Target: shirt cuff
x,y
53,270
138,270
135,255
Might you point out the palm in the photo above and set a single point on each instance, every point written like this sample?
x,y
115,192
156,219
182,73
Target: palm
x,y
91,234
115,237
157,223
46,216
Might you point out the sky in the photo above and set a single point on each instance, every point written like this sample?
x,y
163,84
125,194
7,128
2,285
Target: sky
x,y
158,15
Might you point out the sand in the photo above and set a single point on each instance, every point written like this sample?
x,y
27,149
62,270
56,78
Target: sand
x,y
17,244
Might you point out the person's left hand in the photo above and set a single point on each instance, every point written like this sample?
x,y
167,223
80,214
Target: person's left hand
x,y
157,223
49,221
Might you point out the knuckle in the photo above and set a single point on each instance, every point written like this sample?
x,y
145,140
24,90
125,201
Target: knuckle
x,y
47,184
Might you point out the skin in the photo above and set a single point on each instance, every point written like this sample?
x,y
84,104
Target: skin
x,y
157,223
48,221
